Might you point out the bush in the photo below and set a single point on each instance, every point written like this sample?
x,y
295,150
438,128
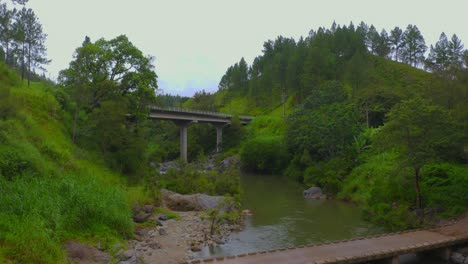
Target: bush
x,y
444,186
189,181
264,154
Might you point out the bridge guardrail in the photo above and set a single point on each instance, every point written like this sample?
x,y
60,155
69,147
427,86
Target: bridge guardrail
x,y
192,111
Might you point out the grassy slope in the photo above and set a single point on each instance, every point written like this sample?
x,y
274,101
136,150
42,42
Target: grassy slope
x,y
51,191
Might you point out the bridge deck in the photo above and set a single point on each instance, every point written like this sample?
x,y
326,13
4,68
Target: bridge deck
x,y
362,249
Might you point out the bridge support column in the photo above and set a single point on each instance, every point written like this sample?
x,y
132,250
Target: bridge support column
x,y
393,260
219,138
183,127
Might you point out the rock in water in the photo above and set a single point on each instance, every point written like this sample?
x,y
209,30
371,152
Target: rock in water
x,y
314,193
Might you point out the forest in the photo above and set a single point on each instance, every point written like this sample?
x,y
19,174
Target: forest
x,y
376,118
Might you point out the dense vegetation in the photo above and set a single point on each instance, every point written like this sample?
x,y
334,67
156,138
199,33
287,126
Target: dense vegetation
x,y
333,109
350,110
51,190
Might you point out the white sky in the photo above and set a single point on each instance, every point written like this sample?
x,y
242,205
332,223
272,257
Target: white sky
x,y
195,41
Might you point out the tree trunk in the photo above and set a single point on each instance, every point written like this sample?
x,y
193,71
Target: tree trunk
x,y
75,125
29,65
416,185
23,64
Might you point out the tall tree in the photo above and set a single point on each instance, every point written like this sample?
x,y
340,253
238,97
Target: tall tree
x,y
372,39
438,59
34,39
421,132
396,41
383,44
414,46
110,70
6,30
455,52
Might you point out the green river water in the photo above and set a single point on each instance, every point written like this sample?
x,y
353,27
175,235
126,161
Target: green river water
x,y
282,217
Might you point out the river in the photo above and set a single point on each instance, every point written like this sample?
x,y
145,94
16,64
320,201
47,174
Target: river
x,y
282,217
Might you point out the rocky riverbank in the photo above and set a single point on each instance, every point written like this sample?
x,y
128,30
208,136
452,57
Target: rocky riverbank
x,y
174,240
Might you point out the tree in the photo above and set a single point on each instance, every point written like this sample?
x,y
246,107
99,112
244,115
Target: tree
x,y
438,58
372,39
34,38
383,44
455,52
421,132
414,46
110,70
396,41
6,30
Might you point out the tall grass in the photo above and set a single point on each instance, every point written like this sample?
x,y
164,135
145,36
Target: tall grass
x,y
51,191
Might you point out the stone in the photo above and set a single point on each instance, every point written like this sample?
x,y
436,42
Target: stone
x,y
194,202
132,260
141,217
82,252
314,193
457,258
163,217
148,208
159,223
137,209
162,232
195,248
246,212
154,245
142,232
127,255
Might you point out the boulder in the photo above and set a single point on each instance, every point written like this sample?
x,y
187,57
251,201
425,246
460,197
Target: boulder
x,y
141,217
81,253
148,208
162,232
314,193
194,202
163,217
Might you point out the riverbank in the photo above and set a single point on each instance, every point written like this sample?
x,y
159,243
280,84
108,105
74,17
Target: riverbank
x,y
174,240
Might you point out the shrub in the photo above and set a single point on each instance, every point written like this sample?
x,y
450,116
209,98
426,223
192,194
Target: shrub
x,y
264,154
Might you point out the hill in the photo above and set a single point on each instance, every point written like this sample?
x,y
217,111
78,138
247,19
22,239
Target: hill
x,y
51,190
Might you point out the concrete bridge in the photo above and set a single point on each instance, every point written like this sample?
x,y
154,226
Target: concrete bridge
x,y
381,248
185,117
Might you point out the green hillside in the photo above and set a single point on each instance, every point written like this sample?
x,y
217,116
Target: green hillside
x,y
52,191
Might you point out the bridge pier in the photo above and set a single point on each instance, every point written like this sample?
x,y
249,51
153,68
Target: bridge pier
x,y
183,127
219,137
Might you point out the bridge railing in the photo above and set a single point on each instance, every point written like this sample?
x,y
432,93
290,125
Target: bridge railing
x,y
199,112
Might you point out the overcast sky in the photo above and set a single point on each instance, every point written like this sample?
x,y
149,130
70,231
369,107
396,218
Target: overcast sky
x,y
195,41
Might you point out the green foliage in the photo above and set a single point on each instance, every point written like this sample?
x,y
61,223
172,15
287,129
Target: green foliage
x,y
51,191
189,181
264,154
422,132
444,187
324,132
266,126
